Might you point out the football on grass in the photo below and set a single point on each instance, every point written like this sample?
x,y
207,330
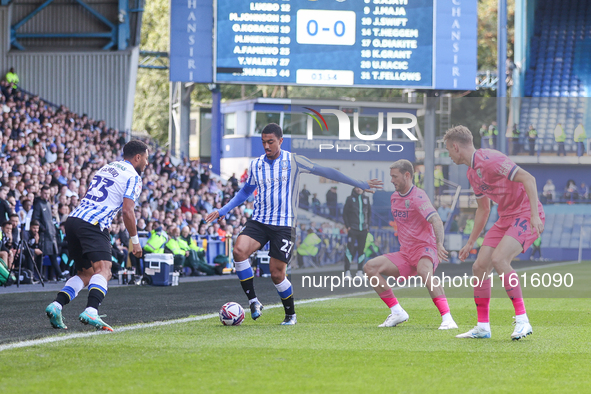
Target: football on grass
x,y
231,314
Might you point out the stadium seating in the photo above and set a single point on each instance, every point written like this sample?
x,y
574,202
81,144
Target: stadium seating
x,y
564,231
559,74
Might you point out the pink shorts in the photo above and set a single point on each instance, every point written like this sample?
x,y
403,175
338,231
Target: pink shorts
x,y
407,260
516,227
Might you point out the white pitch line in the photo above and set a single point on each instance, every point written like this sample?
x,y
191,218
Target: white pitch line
x,y
140,326
539,267
61,338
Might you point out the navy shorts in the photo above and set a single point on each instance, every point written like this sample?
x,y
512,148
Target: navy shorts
x,y
87,243
281,238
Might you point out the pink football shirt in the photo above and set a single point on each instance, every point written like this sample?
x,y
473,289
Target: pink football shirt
x,y
411,213
491,174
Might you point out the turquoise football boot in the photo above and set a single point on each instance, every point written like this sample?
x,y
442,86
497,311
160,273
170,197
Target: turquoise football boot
x,y
95,321
55,316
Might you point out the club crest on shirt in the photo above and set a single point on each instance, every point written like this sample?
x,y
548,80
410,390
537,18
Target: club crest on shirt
x,y
284,164
479,173
407,203
138,190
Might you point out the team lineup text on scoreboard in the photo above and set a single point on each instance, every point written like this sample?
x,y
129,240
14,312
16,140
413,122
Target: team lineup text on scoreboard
x,y
377,43
264,46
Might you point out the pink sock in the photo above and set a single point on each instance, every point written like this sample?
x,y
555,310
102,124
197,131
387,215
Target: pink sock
x,y
388,297
482,300
441,304
514,292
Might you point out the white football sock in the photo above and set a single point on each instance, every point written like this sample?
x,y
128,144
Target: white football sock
x,y
91,310
242,265
447,317
397,309
522,318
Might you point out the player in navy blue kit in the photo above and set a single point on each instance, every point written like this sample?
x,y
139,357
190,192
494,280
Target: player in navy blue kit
x,y
276,176
114,187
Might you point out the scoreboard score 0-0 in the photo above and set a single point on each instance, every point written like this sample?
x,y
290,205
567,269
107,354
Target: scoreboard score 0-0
x,y
428,44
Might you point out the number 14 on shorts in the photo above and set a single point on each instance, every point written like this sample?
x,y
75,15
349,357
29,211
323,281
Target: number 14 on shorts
x,y
521,223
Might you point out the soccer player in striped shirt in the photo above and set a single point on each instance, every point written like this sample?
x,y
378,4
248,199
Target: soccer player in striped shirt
x,y
494,176
276,176
114,187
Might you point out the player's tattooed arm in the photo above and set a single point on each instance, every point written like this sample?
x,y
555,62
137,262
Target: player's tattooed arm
x,y
437,224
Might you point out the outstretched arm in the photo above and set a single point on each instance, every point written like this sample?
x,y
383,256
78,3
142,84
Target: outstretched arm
x,y
338,176
238,199
305,165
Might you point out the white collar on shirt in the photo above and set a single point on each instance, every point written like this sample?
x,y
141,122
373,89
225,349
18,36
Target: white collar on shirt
x,y
408,192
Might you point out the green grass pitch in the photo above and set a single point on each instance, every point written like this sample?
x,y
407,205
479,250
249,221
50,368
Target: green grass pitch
x,y
336,347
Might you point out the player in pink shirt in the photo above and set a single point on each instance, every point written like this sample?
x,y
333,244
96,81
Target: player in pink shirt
x,y
420,232
494,176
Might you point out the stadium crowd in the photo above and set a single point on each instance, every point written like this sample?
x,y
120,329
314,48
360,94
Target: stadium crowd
x,y
571,194
48,157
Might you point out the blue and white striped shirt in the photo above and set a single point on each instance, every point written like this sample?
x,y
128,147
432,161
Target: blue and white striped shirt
x,y
277,182
104,198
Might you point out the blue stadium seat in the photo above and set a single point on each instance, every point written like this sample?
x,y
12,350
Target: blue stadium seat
x,y
556,231
558,64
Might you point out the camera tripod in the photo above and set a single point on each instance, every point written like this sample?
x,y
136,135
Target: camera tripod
x,y
21,248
